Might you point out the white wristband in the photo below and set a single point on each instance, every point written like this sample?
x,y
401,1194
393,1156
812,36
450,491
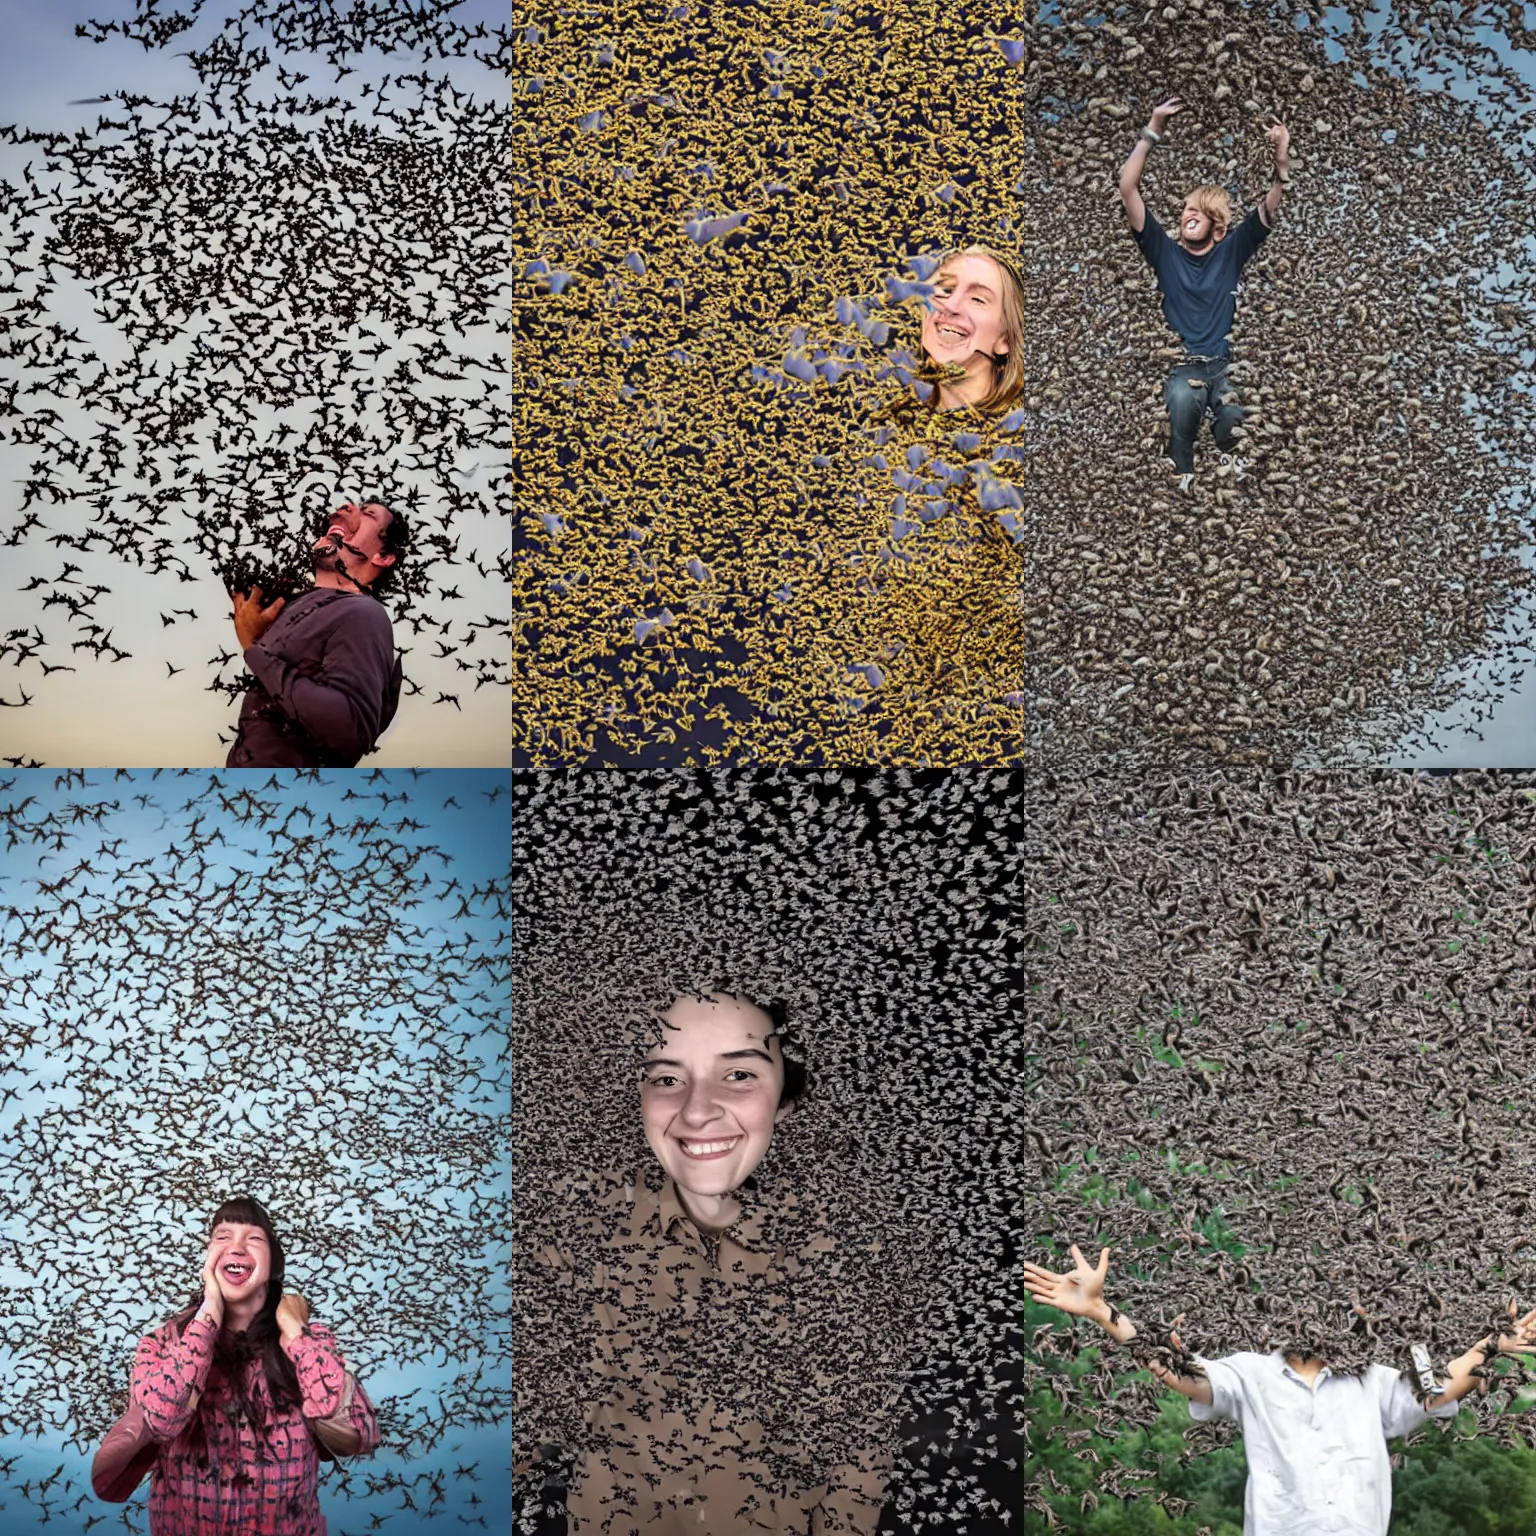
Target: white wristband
x,y
1152,136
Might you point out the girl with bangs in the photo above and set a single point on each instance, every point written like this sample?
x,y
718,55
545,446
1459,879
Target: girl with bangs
x,y
235,1400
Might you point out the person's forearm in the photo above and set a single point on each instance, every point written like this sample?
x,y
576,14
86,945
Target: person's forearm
x,y
1120,1328
1277,187
1113,1321
1130,172
1459,1379
318,1365
365,1421
168,1377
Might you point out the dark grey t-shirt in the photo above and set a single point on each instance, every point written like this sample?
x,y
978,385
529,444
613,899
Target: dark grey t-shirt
x,y
322,676
1200,292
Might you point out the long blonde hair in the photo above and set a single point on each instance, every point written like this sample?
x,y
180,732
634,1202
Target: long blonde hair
x,y
1008,370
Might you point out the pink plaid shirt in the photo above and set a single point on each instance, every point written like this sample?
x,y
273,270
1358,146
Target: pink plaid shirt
x,y
247,1488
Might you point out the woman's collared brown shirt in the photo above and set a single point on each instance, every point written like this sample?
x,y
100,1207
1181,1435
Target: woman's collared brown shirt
x,y
660,1471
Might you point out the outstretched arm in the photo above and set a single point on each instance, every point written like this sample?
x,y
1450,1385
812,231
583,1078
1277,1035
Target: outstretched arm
x,y
1130,172
1459,1379
1280,137
1081,1294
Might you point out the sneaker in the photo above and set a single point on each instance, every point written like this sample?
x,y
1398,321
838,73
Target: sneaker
x,y
1186,484
1235,466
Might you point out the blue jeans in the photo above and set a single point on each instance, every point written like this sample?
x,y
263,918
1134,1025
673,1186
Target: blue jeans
x,y
1195,389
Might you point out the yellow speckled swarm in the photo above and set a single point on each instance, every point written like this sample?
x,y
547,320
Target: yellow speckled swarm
x,y
718,203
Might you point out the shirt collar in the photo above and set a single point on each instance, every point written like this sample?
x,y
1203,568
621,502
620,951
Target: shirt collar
x,y
1286,1368
669,1211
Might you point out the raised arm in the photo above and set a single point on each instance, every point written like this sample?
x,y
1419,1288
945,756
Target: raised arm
x,y
1280,137
169,1373
1081,1294
1130,172
1459,1379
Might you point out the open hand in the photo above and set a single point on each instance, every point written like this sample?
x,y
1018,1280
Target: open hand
x,y
252,621
1521,1340
1280,136
1163,111
1081,1293
292,1314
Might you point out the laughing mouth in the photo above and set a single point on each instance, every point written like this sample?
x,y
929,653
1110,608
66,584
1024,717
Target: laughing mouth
x,y
238,1274
949,333
708,1148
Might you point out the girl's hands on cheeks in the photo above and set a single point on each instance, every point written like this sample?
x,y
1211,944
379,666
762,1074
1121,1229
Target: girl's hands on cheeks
x,y
213,1297
292,1315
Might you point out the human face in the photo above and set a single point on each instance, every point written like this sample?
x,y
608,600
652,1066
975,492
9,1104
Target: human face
x,y
353,542
709,1094
1196,229
242,1261
965,312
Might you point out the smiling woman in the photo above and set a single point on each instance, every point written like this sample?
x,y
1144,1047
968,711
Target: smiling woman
x,y
711,1093
711,1240
235,1399
973,331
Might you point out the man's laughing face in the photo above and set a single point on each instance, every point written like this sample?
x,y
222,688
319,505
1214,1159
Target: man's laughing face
x,y
353,542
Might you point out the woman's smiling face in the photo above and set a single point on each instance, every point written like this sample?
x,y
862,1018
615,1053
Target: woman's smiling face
x,y
709,1092
965,312
242,1260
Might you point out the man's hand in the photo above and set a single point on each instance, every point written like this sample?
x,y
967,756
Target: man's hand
x,y
1522,1340
1166,1377
1081,1293
1459,1380
1162,112
292,1314
252,621
1279,137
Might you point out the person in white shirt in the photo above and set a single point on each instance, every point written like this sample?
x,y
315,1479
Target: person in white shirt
x,y
1315,1439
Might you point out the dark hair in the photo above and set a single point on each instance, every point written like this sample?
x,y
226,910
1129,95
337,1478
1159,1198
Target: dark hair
x,y
396,541
797,1077
262,1338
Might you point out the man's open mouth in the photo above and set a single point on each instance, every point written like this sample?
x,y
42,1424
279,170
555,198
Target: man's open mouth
x,y
704,1149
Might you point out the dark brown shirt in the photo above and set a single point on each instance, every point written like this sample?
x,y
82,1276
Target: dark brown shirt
x,y
660,1472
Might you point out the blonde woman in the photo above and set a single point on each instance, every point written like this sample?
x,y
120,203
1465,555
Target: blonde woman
x,y
973,333
943,645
